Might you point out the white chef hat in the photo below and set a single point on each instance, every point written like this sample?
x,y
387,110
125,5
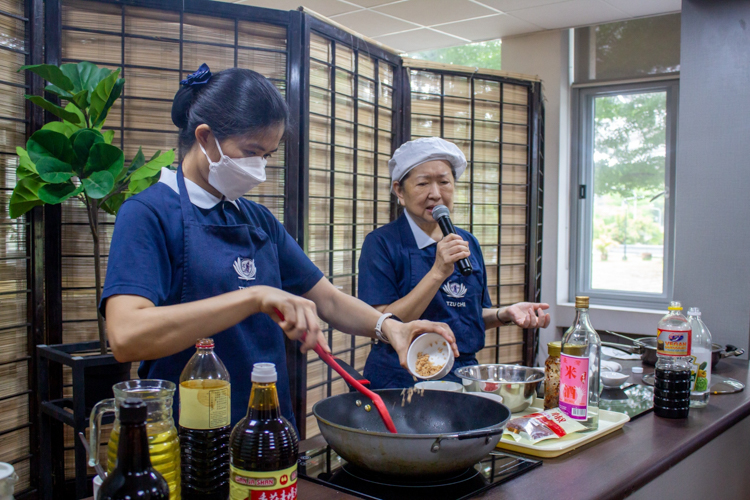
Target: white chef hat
x,y
419,151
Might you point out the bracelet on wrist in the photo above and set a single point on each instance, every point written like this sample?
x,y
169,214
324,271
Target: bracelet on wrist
x,y
502,323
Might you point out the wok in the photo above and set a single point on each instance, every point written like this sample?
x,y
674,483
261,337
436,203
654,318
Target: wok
x,y
646,347
438,432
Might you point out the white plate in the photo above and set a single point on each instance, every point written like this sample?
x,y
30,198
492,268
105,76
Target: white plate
x,y
618,354
610,366
609,421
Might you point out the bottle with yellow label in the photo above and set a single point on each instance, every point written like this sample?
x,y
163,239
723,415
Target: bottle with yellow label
x,y
205,426
264,445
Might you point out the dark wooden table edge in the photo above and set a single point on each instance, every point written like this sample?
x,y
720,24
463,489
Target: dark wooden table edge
x,y
650,470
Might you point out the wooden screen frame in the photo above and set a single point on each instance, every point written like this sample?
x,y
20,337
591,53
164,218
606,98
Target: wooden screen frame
x,y
44,235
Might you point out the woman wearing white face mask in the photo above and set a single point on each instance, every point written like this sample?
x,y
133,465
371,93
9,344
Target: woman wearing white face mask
x,y
190,258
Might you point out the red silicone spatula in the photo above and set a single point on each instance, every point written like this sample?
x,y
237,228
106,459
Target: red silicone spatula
x,y
331,361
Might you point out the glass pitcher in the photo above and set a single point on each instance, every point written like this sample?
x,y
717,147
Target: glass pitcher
x,y
163,442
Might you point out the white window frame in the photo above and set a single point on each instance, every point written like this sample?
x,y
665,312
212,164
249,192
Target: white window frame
x,y
582,174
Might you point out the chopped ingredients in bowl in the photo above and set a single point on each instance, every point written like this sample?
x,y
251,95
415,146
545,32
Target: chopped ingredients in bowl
x,y
425,367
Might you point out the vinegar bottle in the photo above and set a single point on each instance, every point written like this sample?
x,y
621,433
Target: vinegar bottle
x,y
700,355
133,476
205,414
264,445
672,377
579,369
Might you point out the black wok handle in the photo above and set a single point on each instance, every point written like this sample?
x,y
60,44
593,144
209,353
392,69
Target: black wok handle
x,y
480,434
487,434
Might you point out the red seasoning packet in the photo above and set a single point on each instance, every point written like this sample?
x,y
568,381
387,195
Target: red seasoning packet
x,y
536,427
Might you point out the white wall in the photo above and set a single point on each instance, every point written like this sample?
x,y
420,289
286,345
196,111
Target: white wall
x,y
547,55
712,211
712,258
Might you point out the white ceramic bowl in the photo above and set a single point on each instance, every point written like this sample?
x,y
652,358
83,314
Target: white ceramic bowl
x,y
613,379
439,385
437,348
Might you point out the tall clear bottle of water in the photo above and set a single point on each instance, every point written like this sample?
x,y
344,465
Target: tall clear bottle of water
x,y
579,369
700,355
672,377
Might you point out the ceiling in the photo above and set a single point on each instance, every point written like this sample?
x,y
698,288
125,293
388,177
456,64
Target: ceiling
x,y
414,25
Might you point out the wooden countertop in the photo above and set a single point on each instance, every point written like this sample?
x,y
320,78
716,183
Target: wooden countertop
x,y
642,450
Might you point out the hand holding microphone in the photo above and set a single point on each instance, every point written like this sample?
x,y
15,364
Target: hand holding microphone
x,y
454,246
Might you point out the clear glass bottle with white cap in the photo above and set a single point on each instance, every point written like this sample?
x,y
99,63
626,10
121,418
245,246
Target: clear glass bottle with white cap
x,y
579,369
700,355
264,445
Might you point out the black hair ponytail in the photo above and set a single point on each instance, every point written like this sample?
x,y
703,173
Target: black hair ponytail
x,y
232,102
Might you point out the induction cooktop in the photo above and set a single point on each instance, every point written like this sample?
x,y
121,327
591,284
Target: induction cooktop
x,y
324,466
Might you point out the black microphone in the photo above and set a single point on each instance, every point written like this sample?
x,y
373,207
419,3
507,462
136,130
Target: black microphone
x,y
443,217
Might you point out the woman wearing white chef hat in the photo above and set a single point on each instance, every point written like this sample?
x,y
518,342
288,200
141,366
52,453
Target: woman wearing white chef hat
x,y
407,268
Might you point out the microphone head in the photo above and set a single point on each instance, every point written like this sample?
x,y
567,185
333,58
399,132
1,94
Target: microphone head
x,y
440,211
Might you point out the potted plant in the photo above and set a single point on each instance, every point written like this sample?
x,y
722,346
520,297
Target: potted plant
x,y
75,158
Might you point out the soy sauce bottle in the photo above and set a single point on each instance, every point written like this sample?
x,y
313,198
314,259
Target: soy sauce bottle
x,y
264,445
672,377
205,425
133,476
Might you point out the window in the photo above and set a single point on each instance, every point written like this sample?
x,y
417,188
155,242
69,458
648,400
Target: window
x,y
622,246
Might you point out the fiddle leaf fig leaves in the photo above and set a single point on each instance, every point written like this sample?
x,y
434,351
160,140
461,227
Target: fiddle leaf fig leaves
x,y
74,157
54,108
83,141
25,197
104,96
53,170
58,193
52,74
154,166
109,136
49,143
84,75
104,157
99,184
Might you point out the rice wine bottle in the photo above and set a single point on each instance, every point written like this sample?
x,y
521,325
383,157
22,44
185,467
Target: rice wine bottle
x,y
205,426
133,476
672,377
579,369
264,445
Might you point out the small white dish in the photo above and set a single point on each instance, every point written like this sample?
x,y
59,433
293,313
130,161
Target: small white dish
x,y
438,350
488,395
613,379
440,385
610,366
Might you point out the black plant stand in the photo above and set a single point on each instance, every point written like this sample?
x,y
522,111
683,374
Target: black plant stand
x,y
69,411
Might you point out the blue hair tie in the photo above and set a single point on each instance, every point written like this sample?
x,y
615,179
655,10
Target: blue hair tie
x,y
200,77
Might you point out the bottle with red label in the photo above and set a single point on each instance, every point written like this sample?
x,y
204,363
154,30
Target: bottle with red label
x,y
263,445
579,369
672,377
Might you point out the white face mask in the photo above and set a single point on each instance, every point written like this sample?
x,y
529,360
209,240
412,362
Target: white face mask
x,y
234,177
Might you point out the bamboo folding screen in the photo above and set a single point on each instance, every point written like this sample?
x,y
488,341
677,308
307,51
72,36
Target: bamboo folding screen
x,y
351,105
489,117
154,50
350,142
15,252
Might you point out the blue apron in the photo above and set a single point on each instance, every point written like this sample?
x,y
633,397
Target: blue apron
x,y
457,303
220,259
